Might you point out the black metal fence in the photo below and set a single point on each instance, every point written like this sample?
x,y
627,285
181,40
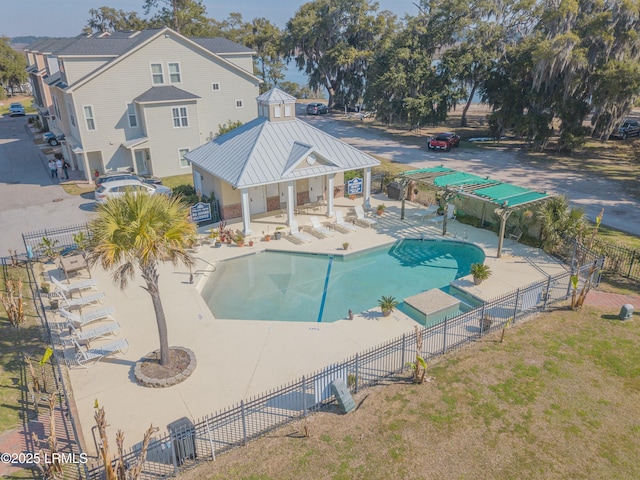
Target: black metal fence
x,y
60,240
188,443
621,260
66,429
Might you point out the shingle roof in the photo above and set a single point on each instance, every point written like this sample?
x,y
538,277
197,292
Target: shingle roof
x,y
165,93
221,45
53,79
108,45
262,152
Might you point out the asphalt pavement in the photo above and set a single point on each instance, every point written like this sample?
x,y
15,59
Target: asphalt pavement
x,y
584,188
30,199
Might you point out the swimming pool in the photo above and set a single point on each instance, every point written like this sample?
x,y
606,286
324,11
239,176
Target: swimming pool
x,y
312,288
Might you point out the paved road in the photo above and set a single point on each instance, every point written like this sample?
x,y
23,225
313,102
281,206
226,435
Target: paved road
x,y
584,188
29,199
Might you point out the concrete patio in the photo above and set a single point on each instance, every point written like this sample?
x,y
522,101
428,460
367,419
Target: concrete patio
x,y
241,358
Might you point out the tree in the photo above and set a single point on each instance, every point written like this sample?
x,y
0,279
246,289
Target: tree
x,y
12,66
142,231
187,17
107,19
333,42
266,39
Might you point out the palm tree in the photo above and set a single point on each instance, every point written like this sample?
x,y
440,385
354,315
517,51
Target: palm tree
x,y
557,219
142,230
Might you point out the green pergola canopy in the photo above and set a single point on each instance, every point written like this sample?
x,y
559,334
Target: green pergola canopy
x,y
459,179
511,194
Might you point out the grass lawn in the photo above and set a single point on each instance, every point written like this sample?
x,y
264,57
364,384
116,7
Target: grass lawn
x,y
560,398
13,343
174,181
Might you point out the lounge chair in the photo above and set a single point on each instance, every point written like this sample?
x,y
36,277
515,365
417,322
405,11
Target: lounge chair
x,y
427,212
450,215
69,303
342,225
69,290
296,233
80,320
361,219
514,234
85,337
318,227
86,355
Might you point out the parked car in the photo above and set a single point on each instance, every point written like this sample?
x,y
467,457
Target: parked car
x,y
444,141
117,188
16,109
317,109
629,128
115,176
52,139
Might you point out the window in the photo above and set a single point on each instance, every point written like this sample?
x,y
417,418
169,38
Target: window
x,y
180,117
156,73
88,116
55,106
131,112
239,104
277,111
183,161
71,117
287,110
215,87
174,72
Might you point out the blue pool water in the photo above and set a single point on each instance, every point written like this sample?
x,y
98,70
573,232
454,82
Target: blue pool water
x,y
312,288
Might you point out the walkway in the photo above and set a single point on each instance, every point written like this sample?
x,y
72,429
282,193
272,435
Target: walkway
x,y
611,300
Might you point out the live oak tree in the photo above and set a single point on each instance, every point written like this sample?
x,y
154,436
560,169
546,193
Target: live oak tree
x,y
12,66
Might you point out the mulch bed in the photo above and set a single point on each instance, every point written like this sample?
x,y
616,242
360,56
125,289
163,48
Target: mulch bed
x,y
179,361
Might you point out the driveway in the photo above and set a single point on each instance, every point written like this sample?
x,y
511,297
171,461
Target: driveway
x,y
29,199
585,189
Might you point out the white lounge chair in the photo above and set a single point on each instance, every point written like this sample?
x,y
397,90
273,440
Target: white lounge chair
x,y
318,227
362,219
296,233
87,355
341,224
85,337
69,290
79,320
69,303
450,215
427,212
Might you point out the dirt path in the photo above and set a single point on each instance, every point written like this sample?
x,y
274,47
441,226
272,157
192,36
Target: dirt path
x,y
585,188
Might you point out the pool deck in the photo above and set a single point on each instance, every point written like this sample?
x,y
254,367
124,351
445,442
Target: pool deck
x,y
238,359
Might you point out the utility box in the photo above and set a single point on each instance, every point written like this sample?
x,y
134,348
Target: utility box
x,y
343,395
183,436
393,191
626,312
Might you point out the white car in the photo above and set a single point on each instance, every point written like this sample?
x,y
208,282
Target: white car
x,y
16,109
117,188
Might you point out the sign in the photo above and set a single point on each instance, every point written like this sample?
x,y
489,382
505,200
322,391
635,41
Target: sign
x,y
354,186
201,212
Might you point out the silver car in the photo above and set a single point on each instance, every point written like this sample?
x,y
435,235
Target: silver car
x,y
117,188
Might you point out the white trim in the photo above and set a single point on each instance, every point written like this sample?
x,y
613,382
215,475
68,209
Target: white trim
x,y
92,118
135,115
239,103
153,81
182,117
179,72
181,157
277,111
215,89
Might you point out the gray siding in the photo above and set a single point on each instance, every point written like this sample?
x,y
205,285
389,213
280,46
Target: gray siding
x,y
75,69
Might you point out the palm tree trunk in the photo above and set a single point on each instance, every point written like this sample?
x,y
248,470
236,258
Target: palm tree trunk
x,y
150,276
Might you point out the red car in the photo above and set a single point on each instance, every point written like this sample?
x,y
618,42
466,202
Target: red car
x,y
444,141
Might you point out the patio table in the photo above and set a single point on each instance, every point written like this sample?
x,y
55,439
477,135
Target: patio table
x,y
72,264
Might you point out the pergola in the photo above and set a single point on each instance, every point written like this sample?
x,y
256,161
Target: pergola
x,y
505,198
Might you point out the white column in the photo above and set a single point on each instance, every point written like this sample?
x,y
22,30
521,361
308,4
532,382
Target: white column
x,y
290,203
87,171
132,154
330,186
246,211
367,188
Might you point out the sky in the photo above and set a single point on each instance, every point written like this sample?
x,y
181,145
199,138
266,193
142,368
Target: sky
x,y
66,18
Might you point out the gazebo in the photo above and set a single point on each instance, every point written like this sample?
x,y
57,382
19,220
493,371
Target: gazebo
x,y
276,162
504,198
